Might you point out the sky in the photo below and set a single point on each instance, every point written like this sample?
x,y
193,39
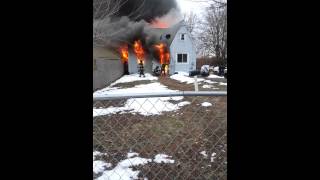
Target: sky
x,y
196,6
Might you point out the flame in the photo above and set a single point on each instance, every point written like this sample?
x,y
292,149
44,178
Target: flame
x,y
124,53
138,50
158,24
164,56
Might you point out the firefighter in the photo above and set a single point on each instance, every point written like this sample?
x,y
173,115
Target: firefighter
x,y
141,69
163,69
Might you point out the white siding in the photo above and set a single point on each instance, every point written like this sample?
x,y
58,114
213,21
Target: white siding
x,y
185,46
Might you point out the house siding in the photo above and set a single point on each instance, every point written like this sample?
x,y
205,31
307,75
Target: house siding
x,y
185,47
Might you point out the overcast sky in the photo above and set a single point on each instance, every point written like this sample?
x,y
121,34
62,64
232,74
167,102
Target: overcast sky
x,y
192,5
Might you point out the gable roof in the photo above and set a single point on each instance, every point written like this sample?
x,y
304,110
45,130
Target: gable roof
x,y
162,33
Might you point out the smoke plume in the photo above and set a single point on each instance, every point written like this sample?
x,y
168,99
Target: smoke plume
x,y
132,20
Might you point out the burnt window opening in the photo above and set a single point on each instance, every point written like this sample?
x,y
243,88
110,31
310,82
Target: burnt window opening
x,y
168,36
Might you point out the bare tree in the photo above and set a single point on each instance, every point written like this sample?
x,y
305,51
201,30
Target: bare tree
x,y
213,36
191,21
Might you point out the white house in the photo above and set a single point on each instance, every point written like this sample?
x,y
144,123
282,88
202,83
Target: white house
x,y
182,50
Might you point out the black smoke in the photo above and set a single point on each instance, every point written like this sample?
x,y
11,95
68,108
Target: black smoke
x,y
130,22
146,10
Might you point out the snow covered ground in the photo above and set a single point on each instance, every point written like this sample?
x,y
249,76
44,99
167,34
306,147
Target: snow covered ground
x,y
184,77
147,106
214,76
143,106
123,170
134,77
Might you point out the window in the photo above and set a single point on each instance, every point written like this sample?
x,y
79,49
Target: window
x,y
182,36
182,58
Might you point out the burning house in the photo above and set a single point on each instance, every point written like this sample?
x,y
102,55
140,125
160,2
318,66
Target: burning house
x,y
171,48
144,36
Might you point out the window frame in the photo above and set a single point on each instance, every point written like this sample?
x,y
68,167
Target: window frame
x,y
187,62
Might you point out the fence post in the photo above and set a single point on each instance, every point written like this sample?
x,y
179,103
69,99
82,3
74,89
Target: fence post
x,y
196,84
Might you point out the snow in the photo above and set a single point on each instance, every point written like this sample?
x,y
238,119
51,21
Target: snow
x,y
206,104
184,78
99,166
222,84
214,76
143,106
97,153
163,158
123,170
131,154
204,154
182,73
210,82
183,103
213,157
134,77
209,86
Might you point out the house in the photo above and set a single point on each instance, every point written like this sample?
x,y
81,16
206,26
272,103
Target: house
x,y
107,67
181,48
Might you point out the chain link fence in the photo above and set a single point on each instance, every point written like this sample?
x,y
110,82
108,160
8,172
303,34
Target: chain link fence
x,y
179,135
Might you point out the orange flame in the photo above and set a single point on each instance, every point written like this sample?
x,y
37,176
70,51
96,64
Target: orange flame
x,y
138,50
163,55
159,24
124,53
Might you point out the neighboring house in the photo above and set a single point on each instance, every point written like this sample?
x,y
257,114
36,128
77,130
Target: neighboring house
x,y
107,67
182,50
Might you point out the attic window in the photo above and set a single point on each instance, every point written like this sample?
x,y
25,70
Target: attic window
x,y
182,37
168,36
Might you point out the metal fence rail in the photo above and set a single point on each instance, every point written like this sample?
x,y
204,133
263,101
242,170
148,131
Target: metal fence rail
x,y
176,135
164,94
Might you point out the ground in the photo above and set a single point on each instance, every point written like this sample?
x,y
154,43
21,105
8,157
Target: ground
x,y
194,135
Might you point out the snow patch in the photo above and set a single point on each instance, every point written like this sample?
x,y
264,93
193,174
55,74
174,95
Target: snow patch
x,y
204,154
210,82
206,104
222,84
99,166
214,76
132,154
213,157
183,103
163,158
134,77
143,106
123,170
183,78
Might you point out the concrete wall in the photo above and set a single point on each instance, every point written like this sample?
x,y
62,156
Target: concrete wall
x,y
182,46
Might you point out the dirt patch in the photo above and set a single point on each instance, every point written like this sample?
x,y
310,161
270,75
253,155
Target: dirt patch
x,y
177,85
